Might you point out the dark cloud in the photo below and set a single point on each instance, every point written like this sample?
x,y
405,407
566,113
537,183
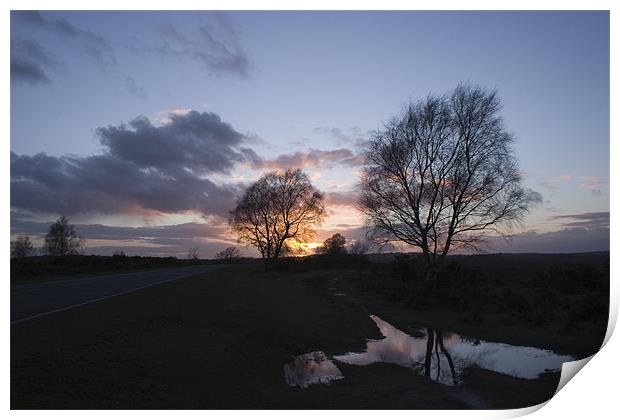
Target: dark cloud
x,y
27,72
216,45
534,197
105,184
144,168
161,235
314,158
200,142
92,44
574,239
29,62
584,220
134,88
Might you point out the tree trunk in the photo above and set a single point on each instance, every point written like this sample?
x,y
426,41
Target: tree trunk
x,y
429,351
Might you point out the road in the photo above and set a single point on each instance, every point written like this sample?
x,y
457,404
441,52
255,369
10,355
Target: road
x,y
34,300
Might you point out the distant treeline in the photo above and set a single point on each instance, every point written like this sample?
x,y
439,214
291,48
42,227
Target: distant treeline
x,y
46,267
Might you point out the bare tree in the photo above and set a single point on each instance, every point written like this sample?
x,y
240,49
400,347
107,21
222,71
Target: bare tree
x,y
278,211
193,254
229,254
359,247
62,239
442,172
21,247
334,245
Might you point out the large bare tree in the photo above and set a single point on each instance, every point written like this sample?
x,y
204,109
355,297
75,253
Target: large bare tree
x,y
442,172
277,209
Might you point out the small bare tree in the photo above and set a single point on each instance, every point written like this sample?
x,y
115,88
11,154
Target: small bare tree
x,y
22,247
192,254
442,172
359,247
229,254
62,239
276,211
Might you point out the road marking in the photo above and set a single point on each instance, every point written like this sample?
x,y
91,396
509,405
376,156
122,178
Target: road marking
x,y
88,302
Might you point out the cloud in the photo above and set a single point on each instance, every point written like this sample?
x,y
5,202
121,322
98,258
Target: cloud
x,y
27,71
143,169
591,220
195,141
342,198
134,88
146,240
550,185
572,239
576,239
590,182
583,232
533,198
105,184
29,62
554,183
151,234
92,44
314,158
216,45
354,136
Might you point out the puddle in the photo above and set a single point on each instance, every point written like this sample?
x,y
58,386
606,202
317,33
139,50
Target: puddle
x,y
311,368
442,356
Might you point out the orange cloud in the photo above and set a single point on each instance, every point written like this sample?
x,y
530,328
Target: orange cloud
x,y
314,158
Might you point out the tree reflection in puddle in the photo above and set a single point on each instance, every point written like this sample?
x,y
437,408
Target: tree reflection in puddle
x,y
443,356
311,368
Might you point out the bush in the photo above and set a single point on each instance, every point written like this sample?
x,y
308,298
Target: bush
x,y
229,254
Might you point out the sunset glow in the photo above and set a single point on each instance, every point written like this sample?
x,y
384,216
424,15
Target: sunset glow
x,y
241,110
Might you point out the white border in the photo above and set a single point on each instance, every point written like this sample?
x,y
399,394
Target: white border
x,y
593,394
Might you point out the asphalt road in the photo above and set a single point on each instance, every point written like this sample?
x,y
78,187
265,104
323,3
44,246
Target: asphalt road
x,y
34,300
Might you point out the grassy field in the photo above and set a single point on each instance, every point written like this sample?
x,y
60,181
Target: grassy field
x,y
221,340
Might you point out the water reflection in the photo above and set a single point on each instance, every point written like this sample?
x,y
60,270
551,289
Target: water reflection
x,y
443,356
311,368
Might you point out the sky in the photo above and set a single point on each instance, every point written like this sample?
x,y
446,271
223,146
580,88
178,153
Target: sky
x,y
143,128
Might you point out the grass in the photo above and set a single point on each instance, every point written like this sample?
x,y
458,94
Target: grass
x,y
221,340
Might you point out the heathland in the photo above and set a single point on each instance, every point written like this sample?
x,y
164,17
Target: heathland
x,y
221,340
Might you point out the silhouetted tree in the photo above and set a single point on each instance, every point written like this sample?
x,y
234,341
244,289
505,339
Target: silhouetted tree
x,y
359,247
193,254
62,239
229,254
21,247
277,210
442,172
334,245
